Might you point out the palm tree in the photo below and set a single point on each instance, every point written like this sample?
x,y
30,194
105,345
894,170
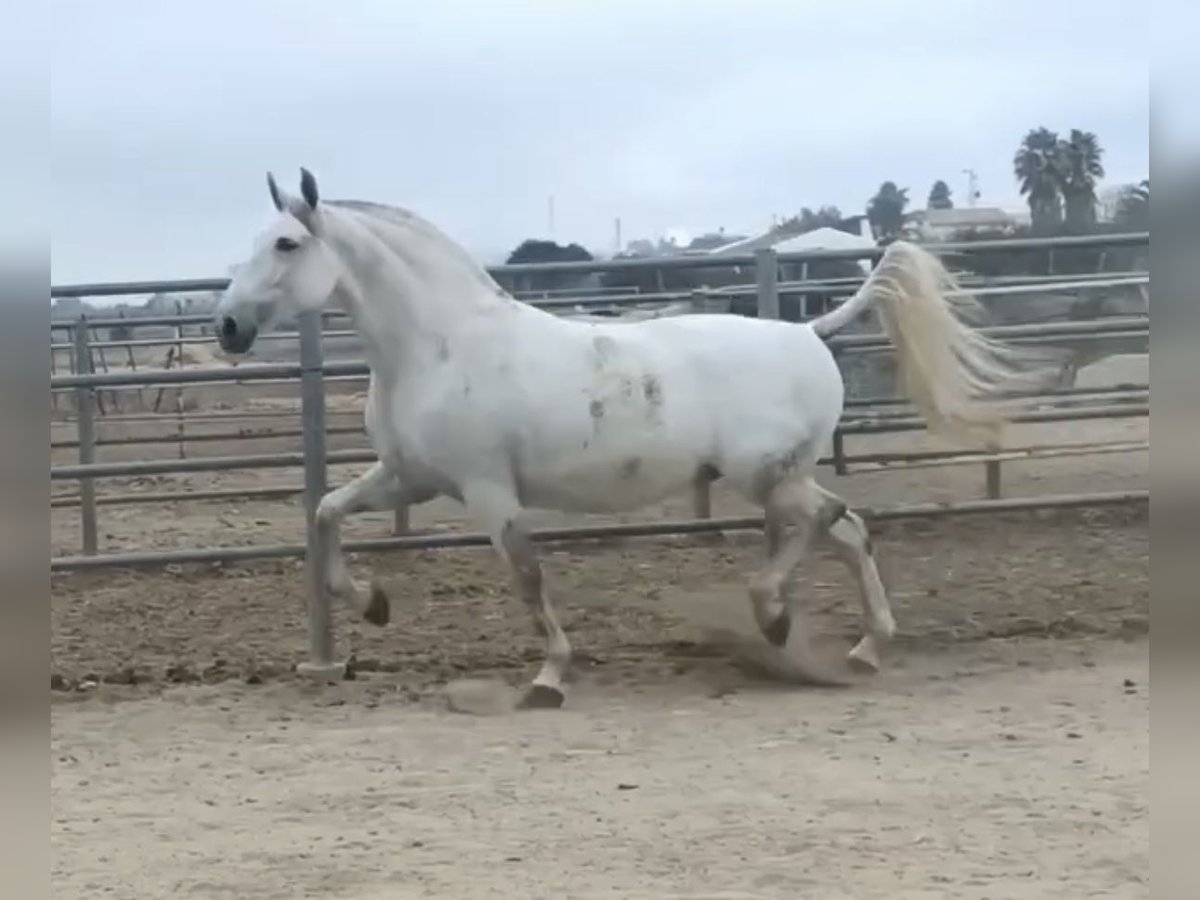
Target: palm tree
x,y
1038,165
939,196
1079,171
885,211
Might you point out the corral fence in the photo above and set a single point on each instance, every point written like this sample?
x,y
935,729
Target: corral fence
x,y
870,415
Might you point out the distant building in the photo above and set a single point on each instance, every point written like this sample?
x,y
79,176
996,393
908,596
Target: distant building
x,y
944,224
828,239
853,231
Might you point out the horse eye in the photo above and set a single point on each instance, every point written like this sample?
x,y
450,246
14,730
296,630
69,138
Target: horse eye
x,y
286,245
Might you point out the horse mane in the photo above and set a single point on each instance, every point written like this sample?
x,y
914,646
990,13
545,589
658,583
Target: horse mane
x,y
406,220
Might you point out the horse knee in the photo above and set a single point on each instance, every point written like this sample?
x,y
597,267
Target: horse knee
x,y
327,512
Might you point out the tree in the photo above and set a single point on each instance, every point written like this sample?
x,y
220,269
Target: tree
x,y
1055,172
885,211
534,250
1079,169
1133,209
1038,165
939,196
823,217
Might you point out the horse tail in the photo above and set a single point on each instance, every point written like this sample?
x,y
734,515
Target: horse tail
x,y
951,372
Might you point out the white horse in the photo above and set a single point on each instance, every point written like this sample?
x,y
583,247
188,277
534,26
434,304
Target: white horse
x,y
504,406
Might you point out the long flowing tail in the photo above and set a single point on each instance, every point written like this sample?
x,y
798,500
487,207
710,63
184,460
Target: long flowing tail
x,y
952,373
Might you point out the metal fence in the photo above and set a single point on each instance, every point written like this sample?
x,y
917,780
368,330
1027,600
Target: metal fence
x,y
876,415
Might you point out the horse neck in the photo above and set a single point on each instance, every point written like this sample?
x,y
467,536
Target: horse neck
x,y
406,301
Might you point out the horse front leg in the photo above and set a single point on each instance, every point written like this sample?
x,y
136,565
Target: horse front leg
x,y
375,490
496,510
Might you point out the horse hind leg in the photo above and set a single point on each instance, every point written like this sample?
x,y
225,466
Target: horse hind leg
x,y
815,511
852,544
791,502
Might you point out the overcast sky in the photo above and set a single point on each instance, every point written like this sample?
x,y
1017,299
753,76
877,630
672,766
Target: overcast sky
x,y
691,115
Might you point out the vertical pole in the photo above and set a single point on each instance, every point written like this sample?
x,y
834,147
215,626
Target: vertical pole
x,y
53,372
839,452
180,428
992,469
312,411
702,499
701,487
86,424
99,351
804,313
839,439
766,270
401,524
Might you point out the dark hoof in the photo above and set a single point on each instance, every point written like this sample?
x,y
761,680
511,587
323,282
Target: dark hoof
x,y
777,632
379,610
541,696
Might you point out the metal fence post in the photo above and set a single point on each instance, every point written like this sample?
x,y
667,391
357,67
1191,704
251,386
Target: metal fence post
x,y
839,452
766,271
839,439
312,410
85,423
992,469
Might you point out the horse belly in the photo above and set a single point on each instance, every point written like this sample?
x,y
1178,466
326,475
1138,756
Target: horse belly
x,y
611,475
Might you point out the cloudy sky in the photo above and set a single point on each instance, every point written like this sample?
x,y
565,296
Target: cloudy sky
x,y
691,115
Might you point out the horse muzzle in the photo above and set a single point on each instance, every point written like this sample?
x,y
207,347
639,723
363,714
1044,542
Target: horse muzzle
x,y
234,336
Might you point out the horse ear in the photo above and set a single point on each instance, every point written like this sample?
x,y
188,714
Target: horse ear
x,y
276,197
308,188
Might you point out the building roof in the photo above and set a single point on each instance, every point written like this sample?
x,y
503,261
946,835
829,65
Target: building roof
x,y
824,238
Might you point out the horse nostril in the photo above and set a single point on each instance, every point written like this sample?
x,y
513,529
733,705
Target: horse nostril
x,y
229,326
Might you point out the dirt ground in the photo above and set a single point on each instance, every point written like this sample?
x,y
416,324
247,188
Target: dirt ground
x,y
1003,752
1013,769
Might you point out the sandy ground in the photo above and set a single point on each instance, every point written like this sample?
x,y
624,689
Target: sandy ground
x,y
1014,770
1002,753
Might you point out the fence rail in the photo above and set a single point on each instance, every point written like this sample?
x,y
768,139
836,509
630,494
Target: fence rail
x,y
1123,326
710,261
589,532
1059,399
313,372
975,286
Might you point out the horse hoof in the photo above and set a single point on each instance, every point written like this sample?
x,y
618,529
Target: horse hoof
x,y
777,632
863,658
379,610
542,696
